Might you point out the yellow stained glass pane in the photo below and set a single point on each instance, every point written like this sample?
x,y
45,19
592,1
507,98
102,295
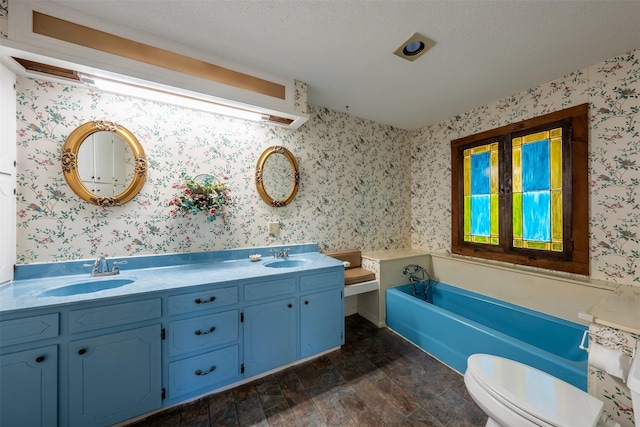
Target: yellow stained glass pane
x,y
556,247
467,237
516,141
537,245
556,215
556,163
480,149
555,133
535,137
517,243
494,170
494,241
516,180
467,175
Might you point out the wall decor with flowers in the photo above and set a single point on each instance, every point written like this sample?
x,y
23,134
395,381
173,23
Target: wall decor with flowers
x,y
203,193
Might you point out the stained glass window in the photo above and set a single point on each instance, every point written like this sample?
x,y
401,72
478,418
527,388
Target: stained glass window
x,y
481,214
537,190
520,192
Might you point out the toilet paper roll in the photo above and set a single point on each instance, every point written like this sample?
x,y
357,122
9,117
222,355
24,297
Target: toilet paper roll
x,y
613,362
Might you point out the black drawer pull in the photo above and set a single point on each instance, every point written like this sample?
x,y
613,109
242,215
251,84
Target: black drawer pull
x,y
82,351
199,301
289,305
199,332
200,373
306,302
40,359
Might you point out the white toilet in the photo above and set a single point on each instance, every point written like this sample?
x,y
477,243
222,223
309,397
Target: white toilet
x,y
516,395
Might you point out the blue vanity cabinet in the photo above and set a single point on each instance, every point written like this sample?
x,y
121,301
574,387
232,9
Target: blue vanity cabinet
x,y
270,324
203,350
29,387
270,335
321,312
114,373
29,371
321,322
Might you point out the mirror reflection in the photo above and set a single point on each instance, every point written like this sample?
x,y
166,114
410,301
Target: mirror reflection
x,y
277,176
104,163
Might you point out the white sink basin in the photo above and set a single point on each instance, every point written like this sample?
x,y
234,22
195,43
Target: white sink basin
x,y
86,287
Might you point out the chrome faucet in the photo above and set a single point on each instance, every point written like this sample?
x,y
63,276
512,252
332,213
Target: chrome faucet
x,y
280,254
101,267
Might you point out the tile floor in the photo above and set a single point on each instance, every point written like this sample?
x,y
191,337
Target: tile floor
x,y
376,379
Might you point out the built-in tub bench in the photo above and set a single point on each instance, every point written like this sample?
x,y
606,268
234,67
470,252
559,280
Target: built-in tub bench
x,y
357,280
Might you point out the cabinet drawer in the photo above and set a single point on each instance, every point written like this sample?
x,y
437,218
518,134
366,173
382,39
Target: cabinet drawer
x,y
113,315
202,332
202,300
268,289
334,279
205,371
27,329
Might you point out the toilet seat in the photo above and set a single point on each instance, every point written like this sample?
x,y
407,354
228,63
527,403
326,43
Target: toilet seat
x,y
508,388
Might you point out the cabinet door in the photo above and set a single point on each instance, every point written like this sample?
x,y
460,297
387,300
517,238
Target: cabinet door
x,y
269,336
321,322
7,174
29,388
114,377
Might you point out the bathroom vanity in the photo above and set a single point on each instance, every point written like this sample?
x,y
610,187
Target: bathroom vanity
x,y
83,351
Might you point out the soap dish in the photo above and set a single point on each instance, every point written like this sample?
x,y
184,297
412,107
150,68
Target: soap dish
x,y
255,257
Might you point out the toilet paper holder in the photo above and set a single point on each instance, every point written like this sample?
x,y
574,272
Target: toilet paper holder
x,y
607,341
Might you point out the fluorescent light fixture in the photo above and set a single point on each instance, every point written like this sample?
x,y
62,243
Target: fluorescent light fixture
x,y
167,95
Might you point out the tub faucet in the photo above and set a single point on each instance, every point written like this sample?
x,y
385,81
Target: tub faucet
x,y
101,267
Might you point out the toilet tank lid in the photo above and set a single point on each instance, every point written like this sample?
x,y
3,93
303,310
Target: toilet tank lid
x,y
535,392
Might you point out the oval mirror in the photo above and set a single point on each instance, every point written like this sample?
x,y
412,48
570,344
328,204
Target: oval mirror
x,y
104,163
277,176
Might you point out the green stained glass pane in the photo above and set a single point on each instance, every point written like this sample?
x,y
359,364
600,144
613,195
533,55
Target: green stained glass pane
x,y
517,215
536,245
495,215
467,215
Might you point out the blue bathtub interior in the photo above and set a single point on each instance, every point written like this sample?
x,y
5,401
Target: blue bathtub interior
x,y
459,323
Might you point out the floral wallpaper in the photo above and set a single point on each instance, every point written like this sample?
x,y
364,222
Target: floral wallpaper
x,y
363,184
4,19
611,389
613,90
354,179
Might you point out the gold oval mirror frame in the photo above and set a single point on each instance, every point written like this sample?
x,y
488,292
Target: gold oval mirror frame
x,y
70,156
262,175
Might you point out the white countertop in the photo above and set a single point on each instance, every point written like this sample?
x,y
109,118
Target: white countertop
x,y
620,309
392,254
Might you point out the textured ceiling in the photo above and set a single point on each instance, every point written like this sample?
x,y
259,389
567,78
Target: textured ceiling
x,y
484,50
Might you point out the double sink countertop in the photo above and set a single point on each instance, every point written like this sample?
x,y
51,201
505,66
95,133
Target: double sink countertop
x,y
34,283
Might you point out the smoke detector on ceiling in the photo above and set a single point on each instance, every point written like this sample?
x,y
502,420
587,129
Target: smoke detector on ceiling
x,y
414,47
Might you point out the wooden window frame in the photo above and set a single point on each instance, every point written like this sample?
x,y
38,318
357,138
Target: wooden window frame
x,y
575,257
